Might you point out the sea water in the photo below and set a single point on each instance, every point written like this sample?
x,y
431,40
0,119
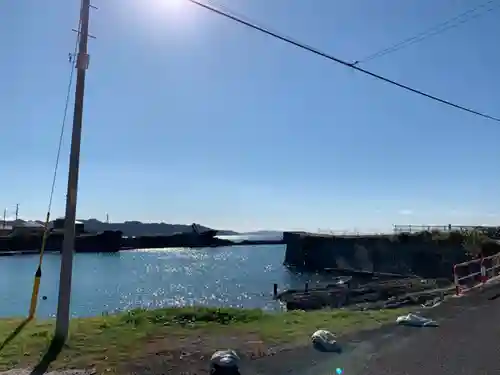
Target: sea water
x,y
239,276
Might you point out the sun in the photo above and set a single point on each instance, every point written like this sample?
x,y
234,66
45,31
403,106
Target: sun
x,y
162,18
171,5
170,9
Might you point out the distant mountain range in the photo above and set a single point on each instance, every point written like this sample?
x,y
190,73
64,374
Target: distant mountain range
x,y
137,228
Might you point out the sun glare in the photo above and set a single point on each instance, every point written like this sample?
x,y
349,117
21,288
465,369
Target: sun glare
x,y
161,19
167,7
171,11
171,4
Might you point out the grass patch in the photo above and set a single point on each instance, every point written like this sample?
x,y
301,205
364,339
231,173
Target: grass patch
x,y
107,343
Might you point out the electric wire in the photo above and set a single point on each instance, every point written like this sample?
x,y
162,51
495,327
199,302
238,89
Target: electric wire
x,y
440,28
315,51
38,274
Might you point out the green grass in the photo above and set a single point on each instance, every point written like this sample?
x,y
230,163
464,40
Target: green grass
x,y
108,342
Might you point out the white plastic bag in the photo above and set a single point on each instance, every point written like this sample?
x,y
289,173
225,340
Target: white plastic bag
x,y
416,321
324,340
432,303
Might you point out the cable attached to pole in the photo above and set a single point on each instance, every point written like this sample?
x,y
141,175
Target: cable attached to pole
x,y
38,273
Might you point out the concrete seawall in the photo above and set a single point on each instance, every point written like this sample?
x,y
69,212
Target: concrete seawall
x,y
422,254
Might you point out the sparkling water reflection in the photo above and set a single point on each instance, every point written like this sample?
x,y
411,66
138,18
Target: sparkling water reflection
x,y
238,276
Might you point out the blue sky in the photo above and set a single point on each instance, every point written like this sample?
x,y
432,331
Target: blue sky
x,y
190,117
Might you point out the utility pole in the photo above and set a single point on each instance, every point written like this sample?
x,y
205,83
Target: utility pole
x,y
17,211
4,217
82,61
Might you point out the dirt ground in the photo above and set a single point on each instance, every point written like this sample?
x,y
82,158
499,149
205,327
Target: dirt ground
x,y
257,358
189,355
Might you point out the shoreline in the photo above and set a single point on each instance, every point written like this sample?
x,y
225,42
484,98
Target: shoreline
x,y
371,294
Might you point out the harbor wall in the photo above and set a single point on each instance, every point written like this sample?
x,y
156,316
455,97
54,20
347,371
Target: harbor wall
x,y
107,241
425,255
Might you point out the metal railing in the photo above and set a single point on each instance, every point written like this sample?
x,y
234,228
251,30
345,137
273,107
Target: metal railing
x,y
474,273
410,228
491,231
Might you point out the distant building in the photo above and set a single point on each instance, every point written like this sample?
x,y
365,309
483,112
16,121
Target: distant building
x,y
12,226
20,227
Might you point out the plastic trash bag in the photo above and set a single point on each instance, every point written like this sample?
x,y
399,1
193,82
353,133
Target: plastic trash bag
x,y
324,340
224,362
416,321
432,303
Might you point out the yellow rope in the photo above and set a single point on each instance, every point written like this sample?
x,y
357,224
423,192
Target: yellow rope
x,y
38,273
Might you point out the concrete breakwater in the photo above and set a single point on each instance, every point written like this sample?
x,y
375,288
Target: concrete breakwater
x,y
106,242
113,241
387,270
429,255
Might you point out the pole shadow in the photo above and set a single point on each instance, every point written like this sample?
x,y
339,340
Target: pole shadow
x,y
53,351
14,333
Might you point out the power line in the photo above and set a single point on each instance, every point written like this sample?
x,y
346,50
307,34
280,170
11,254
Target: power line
x,y
440,28
339,61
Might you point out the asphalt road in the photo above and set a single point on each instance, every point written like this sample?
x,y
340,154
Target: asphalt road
x,y
466,342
